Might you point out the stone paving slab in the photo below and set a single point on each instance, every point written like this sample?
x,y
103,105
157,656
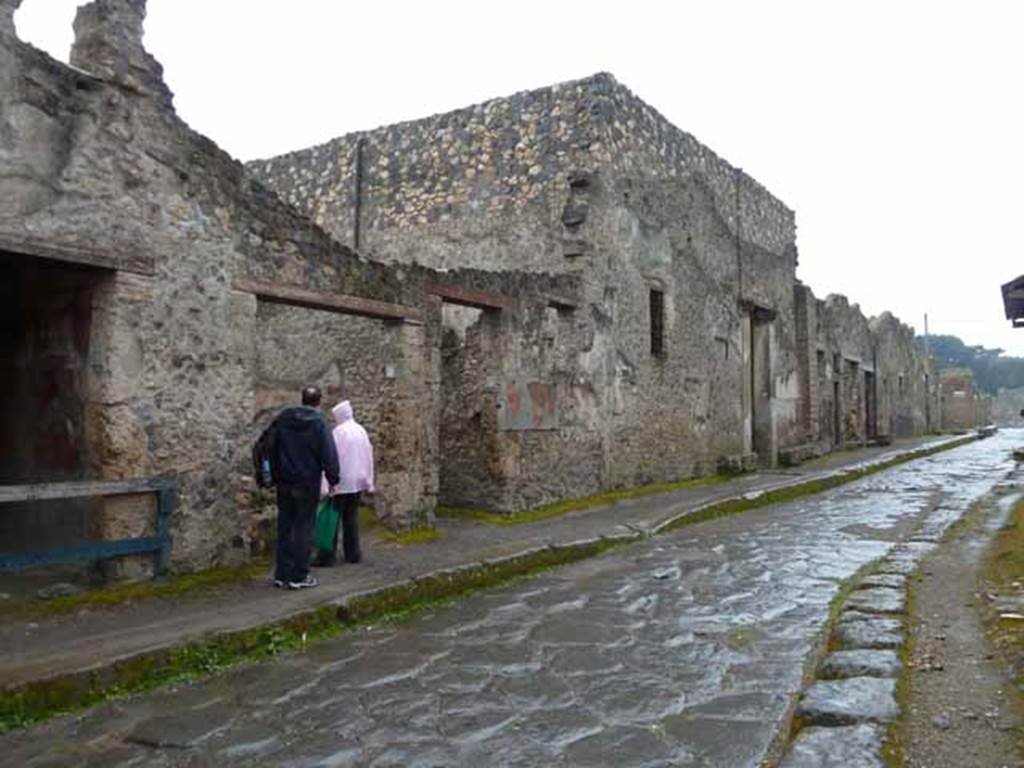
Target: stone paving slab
x,y
861,663
891,580
849,702
878,600
857,746
902,566
879,634
34,649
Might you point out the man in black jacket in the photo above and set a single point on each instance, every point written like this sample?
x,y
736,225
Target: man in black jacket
x,y
303,449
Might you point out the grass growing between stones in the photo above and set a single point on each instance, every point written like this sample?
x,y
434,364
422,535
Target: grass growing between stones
x,y
1002,575
787,734
574,505
40,700
894,746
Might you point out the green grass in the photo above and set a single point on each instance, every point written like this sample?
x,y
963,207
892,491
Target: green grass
x,y
574,505
825,645
894,746
417,534
1003,573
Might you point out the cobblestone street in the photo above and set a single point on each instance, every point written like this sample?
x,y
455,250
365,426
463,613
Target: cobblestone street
x,y
688,649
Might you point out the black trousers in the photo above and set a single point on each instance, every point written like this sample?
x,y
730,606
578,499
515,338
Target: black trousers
x,y
347,505
296,511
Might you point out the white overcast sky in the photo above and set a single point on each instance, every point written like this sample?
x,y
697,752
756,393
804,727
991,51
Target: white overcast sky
x,y
894,129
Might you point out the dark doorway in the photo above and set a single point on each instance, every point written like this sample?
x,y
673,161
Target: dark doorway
x,y
759,373
45,328
837,419
870,406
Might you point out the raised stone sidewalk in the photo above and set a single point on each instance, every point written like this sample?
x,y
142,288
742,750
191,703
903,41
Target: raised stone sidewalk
x,y
92,644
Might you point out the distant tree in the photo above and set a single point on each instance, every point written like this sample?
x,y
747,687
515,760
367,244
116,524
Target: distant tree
x,y
992,371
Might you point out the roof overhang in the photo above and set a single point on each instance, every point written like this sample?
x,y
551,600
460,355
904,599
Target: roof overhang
x,y
1013,301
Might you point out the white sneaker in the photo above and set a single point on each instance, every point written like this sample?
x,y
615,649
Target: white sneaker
x,y
309,581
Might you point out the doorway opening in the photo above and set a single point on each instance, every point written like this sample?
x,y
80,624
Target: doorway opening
x,y
46,312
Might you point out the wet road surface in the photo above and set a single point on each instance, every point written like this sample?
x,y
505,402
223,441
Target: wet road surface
x,y
685,650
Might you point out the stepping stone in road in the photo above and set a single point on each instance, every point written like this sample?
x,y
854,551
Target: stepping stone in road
x,y
849,702
869,633
878,600
855,746
891,580
861,663
848,615
899,563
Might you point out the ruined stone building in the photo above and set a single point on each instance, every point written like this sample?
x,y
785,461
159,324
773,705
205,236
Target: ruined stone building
x,y
962,406
694,347
527,300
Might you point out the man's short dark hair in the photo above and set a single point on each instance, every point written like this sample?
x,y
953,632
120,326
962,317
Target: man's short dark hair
x,y
311,396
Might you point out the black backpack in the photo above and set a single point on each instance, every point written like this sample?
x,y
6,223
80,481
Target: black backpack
x,y
264,459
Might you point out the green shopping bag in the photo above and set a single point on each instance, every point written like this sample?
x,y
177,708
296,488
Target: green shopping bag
x,y
326,525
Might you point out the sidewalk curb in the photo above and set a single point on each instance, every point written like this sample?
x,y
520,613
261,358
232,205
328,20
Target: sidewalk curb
x,y
25,703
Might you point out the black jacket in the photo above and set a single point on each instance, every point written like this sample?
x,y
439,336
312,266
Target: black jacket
x,y
303,447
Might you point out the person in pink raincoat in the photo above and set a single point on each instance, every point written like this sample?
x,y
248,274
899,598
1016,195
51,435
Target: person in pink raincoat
x,y
355,460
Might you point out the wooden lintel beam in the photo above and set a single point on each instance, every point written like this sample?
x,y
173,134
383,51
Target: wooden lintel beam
x,y
329,302
80,256
455,294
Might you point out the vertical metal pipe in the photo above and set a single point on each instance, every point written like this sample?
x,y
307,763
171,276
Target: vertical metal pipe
x,y
357,195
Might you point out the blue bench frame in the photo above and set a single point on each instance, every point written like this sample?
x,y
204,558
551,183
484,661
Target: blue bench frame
x,y
160,544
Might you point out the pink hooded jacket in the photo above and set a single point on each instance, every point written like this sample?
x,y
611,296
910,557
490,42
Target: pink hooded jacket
x,y
355,454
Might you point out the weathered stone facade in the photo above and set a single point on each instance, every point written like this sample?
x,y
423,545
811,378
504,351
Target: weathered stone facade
x,y
861,379
563,294
584,178
963,407
205,302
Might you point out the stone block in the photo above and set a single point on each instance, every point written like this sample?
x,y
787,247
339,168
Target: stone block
x,y
869,634
857,746
849,702
878,600
891,580
861,663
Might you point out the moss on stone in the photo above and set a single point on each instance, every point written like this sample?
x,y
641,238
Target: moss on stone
x,y
417,534
573,505
797,490
1003,573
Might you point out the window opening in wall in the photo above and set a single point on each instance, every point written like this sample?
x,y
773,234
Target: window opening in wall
x,y
657,304
899,384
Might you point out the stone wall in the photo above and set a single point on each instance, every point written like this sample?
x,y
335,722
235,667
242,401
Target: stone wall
x,y
862,379
186,356
633,312
963,407
584,178
907,403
